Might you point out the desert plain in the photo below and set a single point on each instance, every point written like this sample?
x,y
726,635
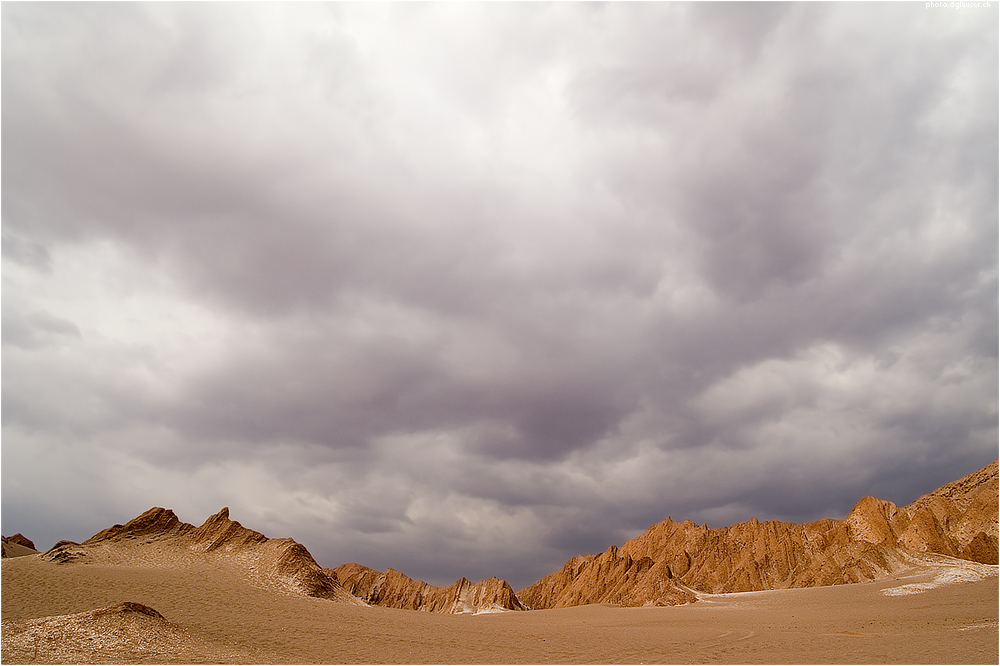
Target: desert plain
x,y
916,584
939,611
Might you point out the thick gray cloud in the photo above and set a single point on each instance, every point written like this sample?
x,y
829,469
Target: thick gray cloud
x,y
469,289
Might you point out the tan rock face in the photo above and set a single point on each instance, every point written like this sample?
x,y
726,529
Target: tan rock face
x,y
159,538
157,522
958,520
672,561
393,589
613,577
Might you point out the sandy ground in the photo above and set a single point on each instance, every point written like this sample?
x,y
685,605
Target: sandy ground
x,y
934,614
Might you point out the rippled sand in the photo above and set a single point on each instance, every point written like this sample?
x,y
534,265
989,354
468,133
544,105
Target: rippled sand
x,y
934,614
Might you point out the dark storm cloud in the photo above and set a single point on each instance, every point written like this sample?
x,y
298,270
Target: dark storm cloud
x,y
501,282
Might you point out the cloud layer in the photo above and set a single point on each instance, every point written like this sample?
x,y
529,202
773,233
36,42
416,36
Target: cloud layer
x,y
466,290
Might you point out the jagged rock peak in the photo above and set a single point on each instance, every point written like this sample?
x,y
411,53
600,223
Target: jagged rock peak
x,y
393,589
20,540
670,561
874,521
156,522
218,531
16,546
222,516
157,537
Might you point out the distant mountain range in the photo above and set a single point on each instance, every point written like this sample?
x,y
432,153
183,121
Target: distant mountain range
x,y
670,564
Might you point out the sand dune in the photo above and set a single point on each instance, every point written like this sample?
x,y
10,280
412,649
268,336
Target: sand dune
x,y
222,617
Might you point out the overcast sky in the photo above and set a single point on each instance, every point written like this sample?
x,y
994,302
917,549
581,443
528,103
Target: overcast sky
x,y
466,290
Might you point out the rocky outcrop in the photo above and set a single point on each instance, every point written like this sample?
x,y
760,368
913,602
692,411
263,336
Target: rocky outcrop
x,y
283,563
613,577
959,519
157,523
20,540
393,589
16,546
126,633
120,628
158,538
672,561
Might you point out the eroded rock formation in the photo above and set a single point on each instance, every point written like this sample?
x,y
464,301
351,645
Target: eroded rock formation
x,y
16,546
958,520
672,561
393,589
158,538
21,540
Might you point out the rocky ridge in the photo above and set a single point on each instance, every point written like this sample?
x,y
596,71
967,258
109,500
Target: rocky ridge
x,y
959,519
393,589
159,538
16,546
672,561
